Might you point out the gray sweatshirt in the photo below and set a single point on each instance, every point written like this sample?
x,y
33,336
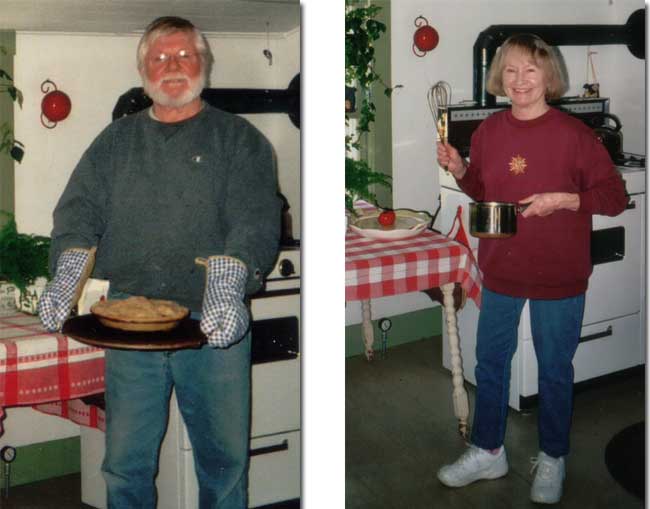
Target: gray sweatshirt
x,y
153,196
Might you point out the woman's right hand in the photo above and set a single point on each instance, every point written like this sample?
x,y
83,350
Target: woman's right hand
x,y
449,158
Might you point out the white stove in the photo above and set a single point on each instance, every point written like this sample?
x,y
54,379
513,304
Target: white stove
x,y
613,331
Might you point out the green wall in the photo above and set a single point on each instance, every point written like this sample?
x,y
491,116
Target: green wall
x,y
406,328
380,141
45,460
8,42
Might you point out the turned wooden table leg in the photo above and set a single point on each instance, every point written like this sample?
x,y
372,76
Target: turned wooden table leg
x,y
368,332
461,401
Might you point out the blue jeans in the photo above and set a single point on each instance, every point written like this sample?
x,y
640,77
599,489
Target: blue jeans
x,y
213,393
556,331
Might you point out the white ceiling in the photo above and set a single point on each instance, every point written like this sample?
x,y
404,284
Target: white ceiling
x,y
127,16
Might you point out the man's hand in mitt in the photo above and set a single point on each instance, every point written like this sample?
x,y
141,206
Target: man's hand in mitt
x,y
225,317
61,293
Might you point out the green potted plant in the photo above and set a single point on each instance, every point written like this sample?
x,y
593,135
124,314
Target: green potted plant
x,y
361,31
23,266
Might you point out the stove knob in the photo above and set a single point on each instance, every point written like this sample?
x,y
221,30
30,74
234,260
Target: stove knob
x,y
286,268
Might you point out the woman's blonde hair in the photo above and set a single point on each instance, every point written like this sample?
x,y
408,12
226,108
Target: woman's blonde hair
x,y
542,54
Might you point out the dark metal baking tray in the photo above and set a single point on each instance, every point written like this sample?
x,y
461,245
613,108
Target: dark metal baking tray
x,y
89,330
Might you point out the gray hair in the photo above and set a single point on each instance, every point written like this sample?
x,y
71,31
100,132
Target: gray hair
x,y
166,25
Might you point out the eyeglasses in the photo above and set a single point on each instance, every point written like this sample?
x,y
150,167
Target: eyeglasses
x,y
183,56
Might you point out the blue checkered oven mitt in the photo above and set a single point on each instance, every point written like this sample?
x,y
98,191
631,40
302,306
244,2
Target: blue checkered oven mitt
x,y
55,302
225,317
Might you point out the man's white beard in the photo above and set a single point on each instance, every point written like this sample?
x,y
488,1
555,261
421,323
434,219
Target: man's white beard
x,y
154,90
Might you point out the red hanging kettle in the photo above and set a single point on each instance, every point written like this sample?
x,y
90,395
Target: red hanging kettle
x,y
425,37
55,106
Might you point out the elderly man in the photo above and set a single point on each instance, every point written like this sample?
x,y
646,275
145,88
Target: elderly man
x,y
155,191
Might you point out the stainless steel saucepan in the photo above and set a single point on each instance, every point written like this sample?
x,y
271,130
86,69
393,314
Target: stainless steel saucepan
x,y
493,219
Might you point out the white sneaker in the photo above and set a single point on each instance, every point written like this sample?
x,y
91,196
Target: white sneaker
x,y
547,486
474,464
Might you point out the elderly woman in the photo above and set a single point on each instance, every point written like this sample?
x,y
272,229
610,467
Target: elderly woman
x,y
533,154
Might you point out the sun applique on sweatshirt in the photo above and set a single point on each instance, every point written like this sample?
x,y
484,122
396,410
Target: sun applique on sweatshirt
x,y
517,165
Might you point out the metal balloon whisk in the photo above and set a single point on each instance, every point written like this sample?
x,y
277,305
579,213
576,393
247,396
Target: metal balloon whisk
x,y
439,97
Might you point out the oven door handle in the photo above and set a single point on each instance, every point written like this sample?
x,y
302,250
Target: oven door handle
x,y
603,334
282,446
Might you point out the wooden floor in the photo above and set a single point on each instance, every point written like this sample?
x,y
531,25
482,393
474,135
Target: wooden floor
x,y
400,430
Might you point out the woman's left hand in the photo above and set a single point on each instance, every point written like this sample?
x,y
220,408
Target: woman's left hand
x,y
544,204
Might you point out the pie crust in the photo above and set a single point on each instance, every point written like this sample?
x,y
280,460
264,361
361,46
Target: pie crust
x,y
139,314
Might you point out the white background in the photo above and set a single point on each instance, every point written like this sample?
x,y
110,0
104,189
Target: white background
x,y
323,352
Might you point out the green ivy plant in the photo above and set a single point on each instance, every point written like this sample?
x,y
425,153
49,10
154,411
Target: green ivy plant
x,y
7,140
361,31
23,257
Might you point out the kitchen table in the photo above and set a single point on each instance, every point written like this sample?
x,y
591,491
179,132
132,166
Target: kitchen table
x,y
380,268
48,371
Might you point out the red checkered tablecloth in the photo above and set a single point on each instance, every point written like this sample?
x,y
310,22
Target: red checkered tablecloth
x,y
38,367
380,268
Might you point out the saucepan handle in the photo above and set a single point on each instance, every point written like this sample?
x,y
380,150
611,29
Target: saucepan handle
x,y
520,207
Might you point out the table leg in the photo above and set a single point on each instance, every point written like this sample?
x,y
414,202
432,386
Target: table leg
x,y
368,332
461,401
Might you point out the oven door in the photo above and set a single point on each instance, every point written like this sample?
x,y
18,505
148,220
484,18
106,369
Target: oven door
x,y
615,287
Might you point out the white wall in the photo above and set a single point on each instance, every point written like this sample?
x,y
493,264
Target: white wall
x,y
458,23
25,426
94,70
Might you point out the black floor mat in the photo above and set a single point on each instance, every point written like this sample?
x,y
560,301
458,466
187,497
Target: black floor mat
x,y
625,458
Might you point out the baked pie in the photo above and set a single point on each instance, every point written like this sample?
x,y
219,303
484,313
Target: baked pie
x,y
139,313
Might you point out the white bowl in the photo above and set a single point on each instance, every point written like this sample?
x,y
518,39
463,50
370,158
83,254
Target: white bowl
x,y
408,223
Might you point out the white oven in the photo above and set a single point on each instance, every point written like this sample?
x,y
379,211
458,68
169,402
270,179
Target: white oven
x,y
274,473
613,331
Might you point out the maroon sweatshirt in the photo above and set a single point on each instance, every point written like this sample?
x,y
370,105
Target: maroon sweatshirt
x,y
510,159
